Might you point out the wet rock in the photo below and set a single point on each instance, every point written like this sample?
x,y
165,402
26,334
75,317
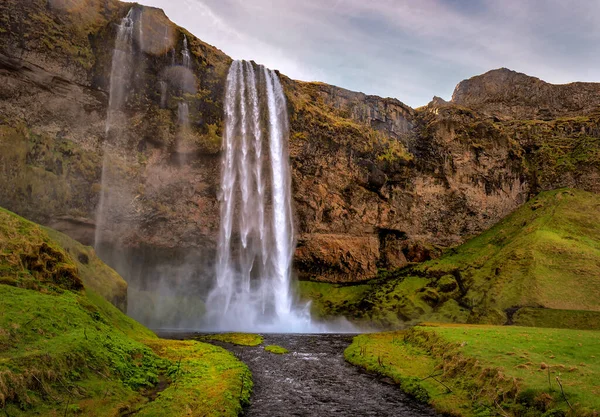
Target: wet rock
x,y
337,258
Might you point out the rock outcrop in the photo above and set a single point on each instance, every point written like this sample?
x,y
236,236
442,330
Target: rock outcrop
x,y
376,184
512,95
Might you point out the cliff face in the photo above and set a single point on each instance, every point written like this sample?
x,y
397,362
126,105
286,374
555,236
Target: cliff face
x,y
376,184
511,95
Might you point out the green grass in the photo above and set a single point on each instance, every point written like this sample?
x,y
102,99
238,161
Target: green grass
x,y
65,350
487,367
276,349
566,319
207,381
95,274
51,343
241,339
544,255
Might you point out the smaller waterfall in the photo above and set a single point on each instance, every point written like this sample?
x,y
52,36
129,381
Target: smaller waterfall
x,y
256,240
120,78
185,52
164,89
183,109
141,30
121,68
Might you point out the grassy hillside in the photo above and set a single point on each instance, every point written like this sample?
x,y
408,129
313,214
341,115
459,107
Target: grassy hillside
x,y
65,350
545,257
466,370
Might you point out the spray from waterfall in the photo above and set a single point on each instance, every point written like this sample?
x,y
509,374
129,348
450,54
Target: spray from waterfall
x,y
256,239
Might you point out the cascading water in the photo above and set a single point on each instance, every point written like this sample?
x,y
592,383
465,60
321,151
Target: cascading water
x,y
254,260
120,78
183,110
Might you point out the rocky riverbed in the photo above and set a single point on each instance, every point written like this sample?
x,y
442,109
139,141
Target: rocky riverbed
x,y
313,379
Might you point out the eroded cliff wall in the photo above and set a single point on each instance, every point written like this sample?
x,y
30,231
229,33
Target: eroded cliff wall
x,y
376,184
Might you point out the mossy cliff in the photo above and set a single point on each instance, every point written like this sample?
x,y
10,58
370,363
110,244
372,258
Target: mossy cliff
x,y
65,350
377,185
538,267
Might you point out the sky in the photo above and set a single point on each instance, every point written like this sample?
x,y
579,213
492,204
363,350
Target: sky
x,y
411,50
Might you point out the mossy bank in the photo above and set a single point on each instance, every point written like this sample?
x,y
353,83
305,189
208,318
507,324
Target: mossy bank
x,y
65,350
476,371
540,266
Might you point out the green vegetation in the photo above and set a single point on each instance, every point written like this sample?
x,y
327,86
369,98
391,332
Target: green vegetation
x,y
467,370
206,381
331,300
544,255
558,148
276,349
241,339
566,319
65,350
60,28
35,257
95,274
315,115
55,173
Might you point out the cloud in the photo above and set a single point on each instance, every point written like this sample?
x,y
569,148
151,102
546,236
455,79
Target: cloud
x,y
406,49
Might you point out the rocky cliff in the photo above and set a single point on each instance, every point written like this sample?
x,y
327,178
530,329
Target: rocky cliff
x,y
512,95
376,183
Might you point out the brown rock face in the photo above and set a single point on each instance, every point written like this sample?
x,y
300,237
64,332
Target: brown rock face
x,y
376,184
335,258
512,95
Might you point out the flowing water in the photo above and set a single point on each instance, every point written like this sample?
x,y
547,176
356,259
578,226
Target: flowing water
x,y
120,79
183,110
313,379
256,237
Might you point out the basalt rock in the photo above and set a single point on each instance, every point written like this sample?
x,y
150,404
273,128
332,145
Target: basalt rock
x,y
376,184
512,95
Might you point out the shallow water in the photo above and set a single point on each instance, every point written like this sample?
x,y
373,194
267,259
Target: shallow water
x,y
315,380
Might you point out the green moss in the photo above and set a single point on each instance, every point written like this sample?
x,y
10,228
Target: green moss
x,y
56,173
314,117
473,370
241,339
276,349
95,274
66,348
207,381
390,355
331,300
557,148
566,319
51,342
546,254
32,259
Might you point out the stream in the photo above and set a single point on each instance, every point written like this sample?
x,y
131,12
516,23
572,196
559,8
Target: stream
x,y
313,379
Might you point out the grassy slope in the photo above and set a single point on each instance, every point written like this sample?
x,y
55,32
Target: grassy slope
x,y
546,255
487,367
67,350
95,274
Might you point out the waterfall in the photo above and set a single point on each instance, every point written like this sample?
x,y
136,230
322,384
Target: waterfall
x,y
185,52
120,78
183,110
164,89
256,238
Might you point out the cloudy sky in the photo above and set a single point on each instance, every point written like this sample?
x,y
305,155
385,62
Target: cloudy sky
x,y
407,49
